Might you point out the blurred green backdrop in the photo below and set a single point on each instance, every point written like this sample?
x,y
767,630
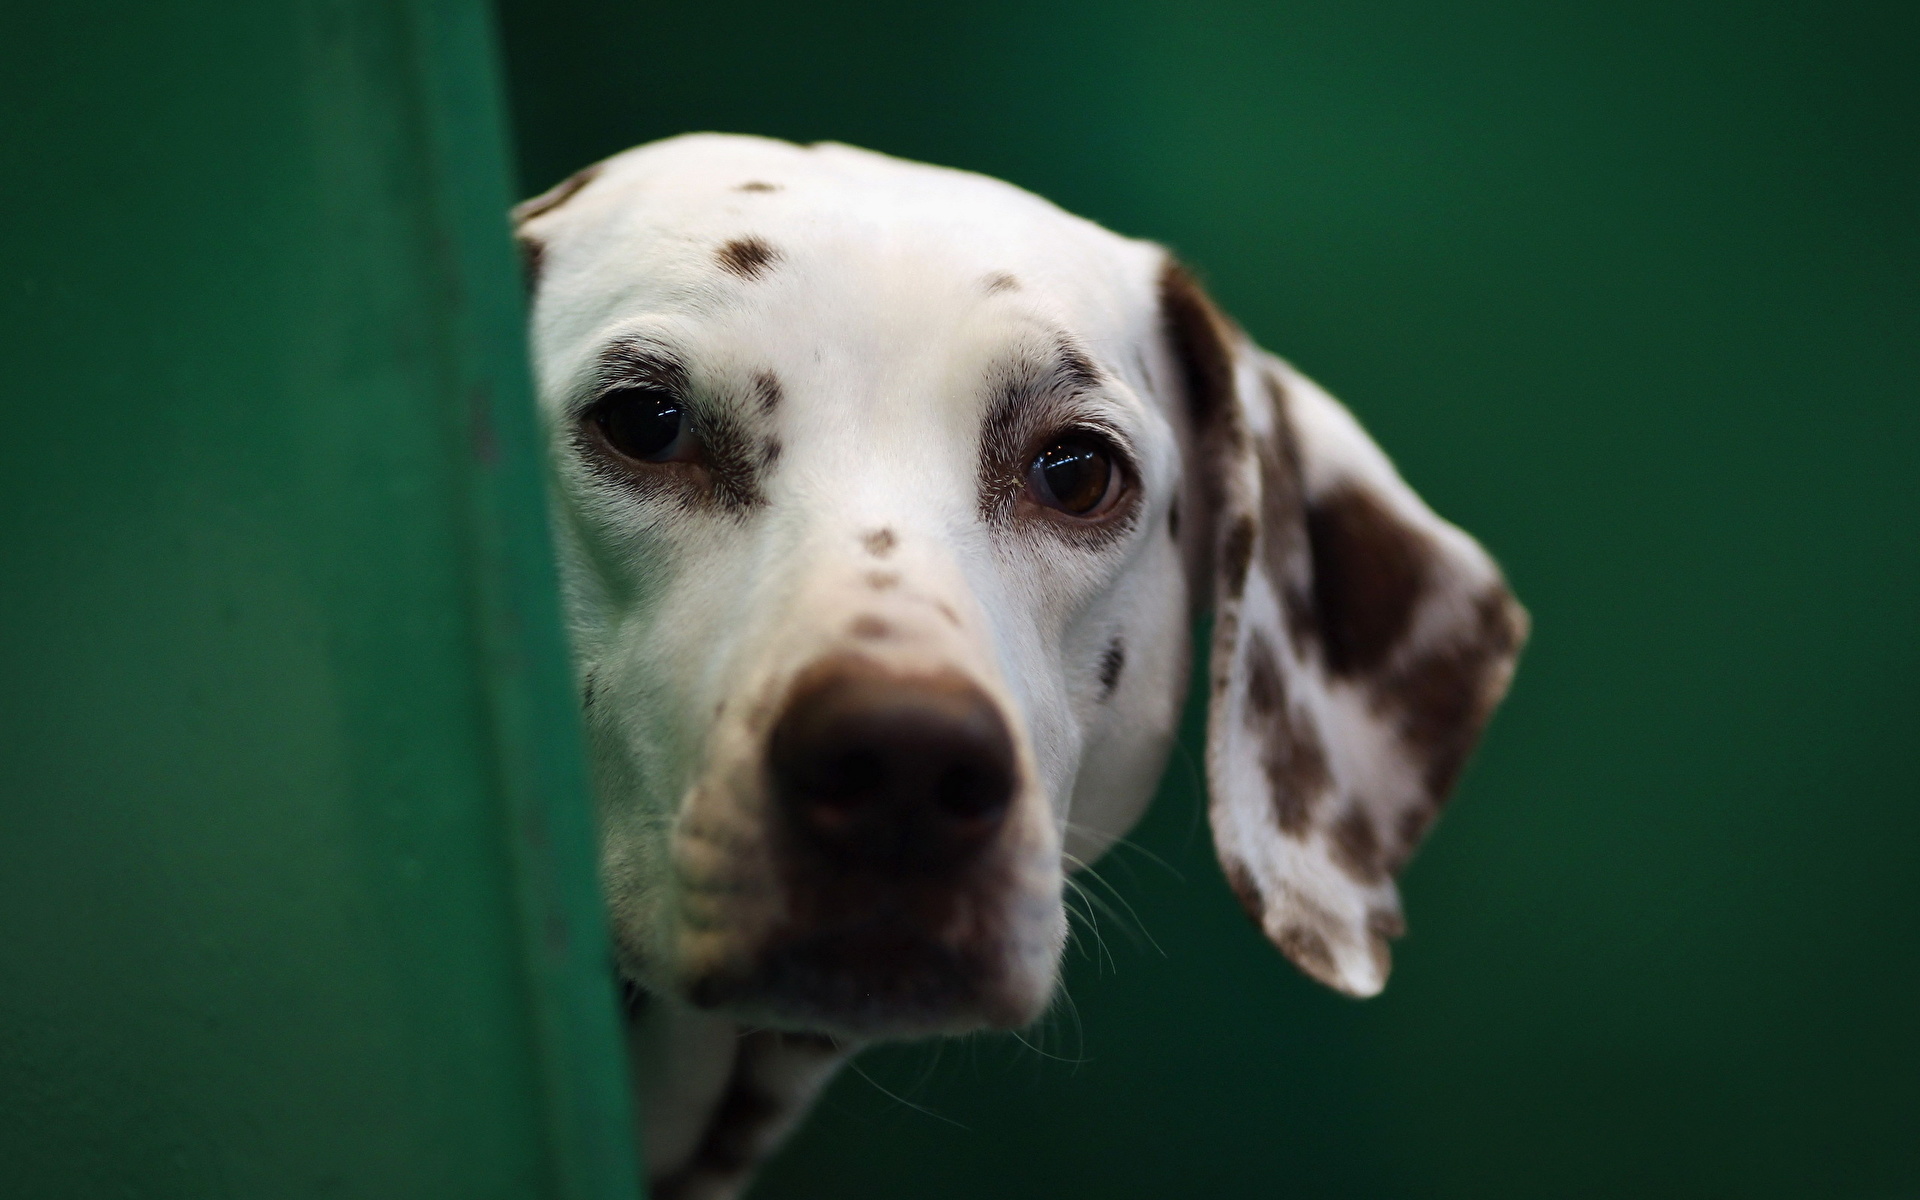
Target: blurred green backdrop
x,y
1630,291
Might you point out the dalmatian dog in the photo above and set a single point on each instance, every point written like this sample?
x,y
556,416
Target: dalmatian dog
x,y
887,500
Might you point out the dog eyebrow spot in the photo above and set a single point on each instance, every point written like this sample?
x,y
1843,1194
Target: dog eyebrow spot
x,y
1073,365
999,282
946,610
757,185
767,385
879,542
866,625
747,257
1042,389
880,581
1112,662
734,457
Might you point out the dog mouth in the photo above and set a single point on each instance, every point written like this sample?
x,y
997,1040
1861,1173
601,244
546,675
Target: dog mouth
x,y
877,977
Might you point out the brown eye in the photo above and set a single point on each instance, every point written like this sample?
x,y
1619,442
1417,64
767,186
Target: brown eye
x,y
1076,475
644,423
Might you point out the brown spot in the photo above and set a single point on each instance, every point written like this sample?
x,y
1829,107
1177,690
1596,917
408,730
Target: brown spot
x,y
1000,281
757,185
1283,534
1386,923
1266,688
1236,557
747,257
766,386
1072,365
1112,662
1369,570
1410,829
880,581
556,195
1309,951
1355,847
946,610
1297,774
1245,889
1296,607
866,625
1202,344
1445,696
533,254
1382,926
879,542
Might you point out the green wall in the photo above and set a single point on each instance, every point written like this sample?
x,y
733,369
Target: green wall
x,y
295,874
1630,291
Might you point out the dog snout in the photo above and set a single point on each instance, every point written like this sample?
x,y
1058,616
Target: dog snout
x,y
890,772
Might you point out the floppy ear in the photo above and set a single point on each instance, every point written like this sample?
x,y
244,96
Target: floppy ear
x,y
1359,645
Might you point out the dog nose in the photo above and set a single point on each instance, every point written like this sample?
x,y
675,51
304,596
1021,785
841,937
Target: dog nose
x,y
891,772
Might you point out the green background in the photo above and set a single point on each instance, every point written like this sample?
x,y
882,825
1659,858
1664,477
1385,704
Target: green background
x,y
1629,291
296,893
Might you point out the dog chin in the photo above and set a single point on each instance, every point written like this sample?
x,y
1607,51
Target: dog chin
x,y
871,988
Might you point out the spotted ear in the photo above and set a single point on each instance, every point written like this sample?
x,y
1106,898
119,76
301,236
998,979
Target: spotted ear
x,y
1359,645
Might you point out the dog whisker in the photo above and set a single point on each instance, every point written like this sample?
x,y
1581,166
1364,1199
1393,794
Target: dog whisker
x,y
902,1100
1127,843
1133,916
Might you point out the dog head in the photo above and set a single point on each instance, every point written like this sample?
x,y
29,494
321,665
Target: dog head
x,y
886,496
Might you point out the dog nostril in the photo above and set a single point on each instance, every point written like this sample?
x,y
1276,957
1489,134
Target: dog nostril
x,y
842,787
970,794
852,775
891,771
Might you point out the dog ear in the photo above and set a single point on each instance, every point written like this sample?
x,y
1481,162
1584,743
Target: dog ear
x,y
1359,645
533,249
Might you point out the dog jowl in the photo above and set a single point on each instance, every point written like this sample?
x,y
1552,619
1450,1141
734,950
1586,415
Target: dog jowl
x,y
886,498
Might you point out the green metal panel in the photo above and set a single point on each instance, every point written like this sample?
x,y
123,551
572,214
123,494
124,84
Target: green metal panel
x,y
295,865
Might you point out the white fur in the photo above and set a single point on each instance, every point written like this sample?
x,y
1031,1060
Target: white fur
x,y
877,321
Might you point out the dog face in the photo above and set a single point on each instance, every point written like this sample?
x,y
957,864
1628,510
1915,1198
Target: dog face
x,y
886,495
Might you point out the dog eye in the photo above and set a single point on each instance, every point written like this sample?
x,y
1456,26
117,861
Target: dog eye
x,y
644,423
1076,474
